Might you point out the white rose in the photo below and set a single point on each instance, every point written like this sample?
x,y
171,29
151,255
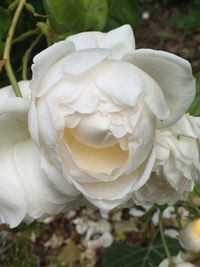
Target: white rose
x,y
181,260
177,163
96,106
25,190
189,236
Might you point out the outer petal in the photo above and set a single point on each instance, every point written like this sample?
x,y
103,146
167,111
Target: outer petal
x,y
25,189
45,60
13,129
173,74
120,40
12,200
156,190
33,123
41,196
13,116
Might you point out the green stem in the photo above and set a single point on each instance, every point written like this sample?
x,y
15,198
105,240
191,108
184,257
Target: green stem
x,y
24,36
163,239
26,57
6,55
150,248
178,217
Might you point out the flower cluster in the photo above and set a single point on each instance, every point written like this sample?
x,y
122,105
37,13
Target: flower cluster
x,y
100,122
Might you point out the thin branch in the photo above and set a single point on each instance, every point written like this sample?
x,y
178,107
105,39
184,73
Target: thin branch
x,y
163,239
178,217
26,57
8,44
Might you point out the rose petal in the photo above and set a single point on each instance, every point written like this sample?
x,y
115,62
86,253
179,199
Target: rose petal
x,y
131,83
41,196
81,61
120,40
13,121
12,199
173,74
61,183
44,61
108,195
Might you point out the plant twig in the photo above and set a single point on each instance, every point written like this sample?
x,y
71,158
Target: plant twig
x,y
163,239
6,55
25,35
178,217
26,57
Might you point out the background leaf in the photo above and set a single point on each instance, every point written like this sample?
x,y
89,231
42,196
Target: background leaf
x,y
189,21
95,14
75,16
119,255
4,21
122,12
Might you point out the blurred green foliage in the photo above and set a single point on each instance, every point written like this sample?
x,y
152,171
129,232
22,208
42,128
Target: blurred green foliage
x,y
16,247
122,12
68,17
57,19
119,255
190,20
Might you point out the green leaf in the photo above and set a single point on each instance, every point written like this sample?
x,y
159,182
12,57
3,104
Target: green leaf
x,y
197,189
195,107
2,45
24,36
95,14
75,16
122,12
119,255
4,21
166,34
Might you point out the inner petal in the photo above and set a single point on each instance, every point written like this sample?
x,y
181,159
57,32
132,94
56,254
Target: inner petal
x,y
99,160
93,131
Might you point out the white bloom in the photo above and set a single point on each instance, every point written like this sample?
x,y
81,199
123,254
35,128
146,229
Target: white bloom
x,y
25,189
189,236
97,103
179,261
177,163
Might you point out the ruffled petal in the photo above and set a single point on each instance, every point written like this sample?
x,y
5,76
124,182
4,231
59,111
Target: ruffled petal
x,y
108,195
130,84
173,74
118,80
156,190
